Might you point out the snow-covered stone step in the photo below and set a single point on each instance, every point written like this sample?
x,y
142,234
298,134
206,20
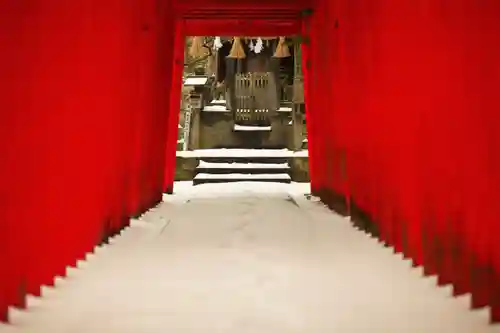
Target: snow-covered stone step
x,y
204,178
243,176
209,165
274,156
218,102
285,109
243,128
215,108
201,153
218,168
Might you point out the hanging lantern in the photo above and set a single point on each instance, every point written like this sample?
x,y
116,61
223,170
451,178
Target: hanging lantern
x,y
197,50
282,50
258,46
251,45
217,43
237,51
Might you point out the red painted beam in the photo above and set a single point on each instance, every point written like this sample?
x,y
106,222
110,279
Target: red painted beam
x,y
235,27
272,5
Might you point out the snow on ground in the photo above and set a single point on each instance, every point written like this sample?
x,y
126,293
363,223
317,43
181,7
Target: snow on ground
x,y
246,258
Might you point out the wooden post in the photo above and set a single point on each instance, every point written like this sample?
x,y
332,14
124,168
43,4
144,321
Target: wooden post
x,y
297,127
297,118
216,66
195,129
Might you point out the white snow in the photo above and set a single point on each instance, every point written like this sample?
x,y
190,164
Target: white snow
x,y
218,101
285,109
302,153
278,176
242,128
207,165
250,258
200,153
215,108
195,81
184,190
305,140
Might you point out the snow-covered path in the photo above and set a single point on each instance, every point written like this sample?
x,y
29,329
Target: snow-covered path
x,y
246,258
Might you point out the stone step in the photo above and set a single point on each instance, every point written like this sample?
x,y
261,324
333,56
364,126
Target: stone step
x,y
249,128
239,152
228,155
246,159
242,168
206,178
218,102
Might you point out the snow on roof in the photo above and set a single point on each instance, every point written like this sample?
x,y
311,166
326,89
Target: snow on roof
x,y
215,108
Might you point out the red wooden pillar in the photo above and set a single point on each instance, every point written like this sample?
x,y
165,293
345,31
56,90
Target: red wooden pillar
x,y
340,115
144,77
318,101
118,96
329,61
148,66
308,96
76,135
177,67
314,101
14,170
484,78
166,52
161,46
63,148
324,62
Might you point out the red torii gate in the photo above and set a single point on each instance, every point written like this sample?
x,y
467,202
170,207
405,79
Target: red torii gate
x,y
402,107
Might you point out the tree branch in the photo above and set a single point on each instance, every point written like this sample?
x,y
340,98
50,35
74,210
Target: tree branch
x,y
196,61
